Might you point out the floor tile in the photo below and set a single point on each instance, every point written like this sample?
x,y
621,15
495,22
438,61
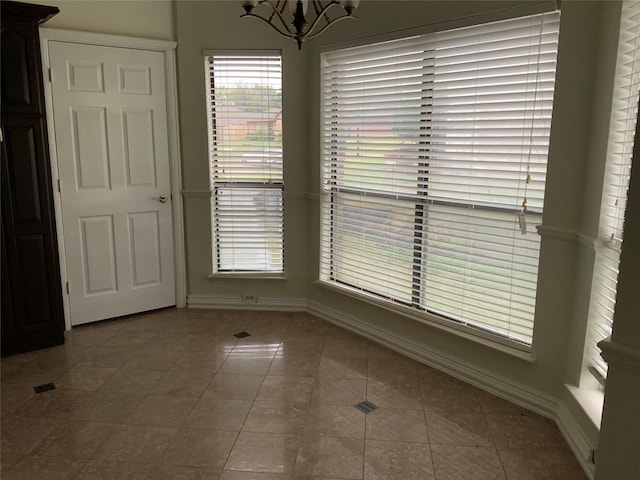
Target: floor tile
x,y
453,428
396,425
302,346
199,448
130,339
295,366
102,406
250,346
218,413
403,395
199,360
153,359
491,404
354,368
102,469
23,434
524,431
276,417
88,335
236,386
393,371
132,381
330,457
178,472
248,364
8,459
52,404
447,393
287,389
263,452
339,391
384,460
84,378
35,466
173,394
75,440
232,475
346,348
108,357
14,395
161,410
183,384
534,464
335,421
33,374
466,463
136,443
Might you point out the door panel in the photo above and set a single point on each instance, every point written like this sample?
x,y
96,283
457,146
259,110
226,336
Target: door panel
x,y
98,255
90,150
138,148
112,145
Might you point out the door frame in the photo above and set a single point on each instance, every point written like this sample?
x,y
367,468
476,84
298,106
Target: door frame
x,y
167,48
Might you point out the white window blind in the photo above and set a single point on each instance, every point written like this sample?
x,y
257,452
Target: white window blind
x,y
434,152
245,151
616,183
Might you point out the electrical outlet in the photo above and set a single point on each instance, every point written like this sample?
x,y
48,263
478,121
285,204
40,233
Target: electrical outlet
x,y
249,298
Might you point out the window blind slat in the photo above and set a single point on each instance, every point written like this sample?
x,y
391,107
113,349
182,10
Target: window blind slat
x,y
618,172
246,163
432,147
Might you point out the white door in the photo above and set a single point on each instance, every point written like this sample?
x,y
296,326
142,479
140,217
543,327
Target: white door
x,y
109,110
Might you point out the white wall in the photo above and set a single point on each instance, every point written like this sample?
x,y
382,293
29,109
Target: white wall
x,y
216,25
586,52
587,48
141,18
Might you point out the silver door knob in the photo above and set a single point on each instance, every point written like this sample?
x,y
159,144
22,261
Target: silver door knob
x,y
162,199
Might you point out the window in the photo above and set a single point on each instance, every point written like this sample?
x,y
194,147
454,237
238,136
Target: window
x,y
617,175
244,94
434,152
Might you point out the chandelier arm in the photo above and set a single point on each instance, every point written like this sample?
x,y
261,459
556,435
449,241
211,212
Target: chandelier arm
x,y
287,33
277,12
335,20
281,5
318,7
319,17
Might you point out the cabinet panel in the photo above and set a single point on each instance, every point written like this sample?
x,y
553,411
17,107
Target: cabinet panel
x,y
32,314
24,196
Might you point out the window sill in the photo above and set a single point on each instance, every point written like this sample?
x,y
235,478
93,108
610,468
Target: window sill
x,y
247,276
494,342
590,396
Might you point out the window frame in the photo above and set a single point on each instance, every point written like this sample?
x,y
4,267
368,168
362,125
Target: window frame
x,y
239,183
328,197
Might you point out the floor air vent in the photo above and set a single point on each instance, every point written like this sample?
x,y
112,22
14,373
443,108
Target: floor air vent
x,y
366,406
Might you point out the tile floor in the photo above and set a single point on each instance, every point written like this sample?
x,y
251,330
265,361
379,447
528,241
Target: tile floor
x,y
175,395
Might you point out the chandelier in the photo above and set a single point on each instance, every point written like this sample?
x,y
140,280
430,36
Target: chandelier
x,y
274,15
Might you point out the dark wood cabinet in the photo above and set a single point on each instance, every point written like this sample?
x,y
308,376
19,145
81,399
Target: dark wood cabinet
x,y
32,312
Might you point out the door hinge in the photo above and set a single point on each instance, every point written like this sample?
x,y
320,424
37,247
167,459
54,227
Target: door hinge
x,y
67,288
50,77
59,186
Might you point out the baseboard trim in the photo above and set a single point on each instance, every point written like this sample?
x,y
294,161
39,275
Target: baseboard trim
x,y
234,302
522,395
513,392
576,438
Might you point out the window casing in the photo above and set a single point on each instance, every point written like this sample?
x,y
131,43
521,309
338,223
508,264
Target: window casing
x,y
434,152
244,107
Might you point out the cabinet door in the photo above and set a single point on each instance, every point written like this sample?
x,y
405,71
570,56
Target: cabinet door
x,y
32,314
21,83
